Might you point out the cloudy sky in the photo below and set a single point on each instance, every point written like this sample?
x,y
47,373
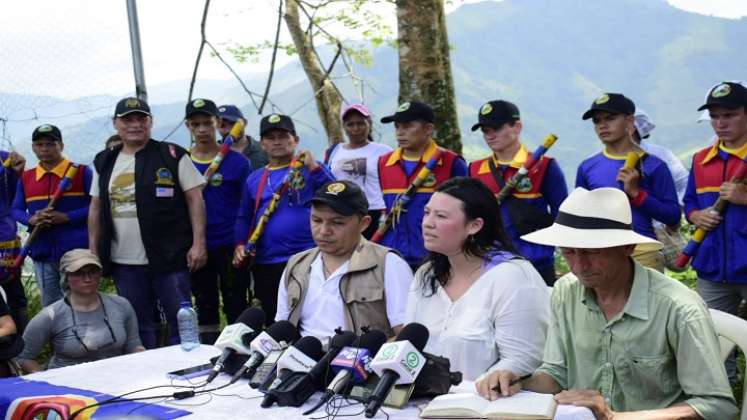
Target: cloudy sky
x,y
74,48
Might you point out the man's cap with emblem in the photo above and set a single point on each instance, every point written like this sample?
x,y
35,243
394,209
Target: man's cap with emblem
x,y
276,122
201,106
344,197
728,95
131,105
230,113
615,103
496,113
411,111
46,131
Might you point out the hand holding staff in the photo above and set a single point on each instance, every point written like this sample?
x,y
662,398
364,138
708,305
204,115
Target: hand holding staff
x,y
532,160
691,249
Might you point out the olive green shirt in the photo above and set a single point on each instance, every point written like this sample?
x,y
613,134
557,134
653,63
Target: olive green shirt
x,y
660,350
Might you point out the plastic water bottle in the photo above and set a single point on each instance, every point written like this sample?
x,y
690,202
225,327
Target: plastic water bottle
x,y
188,330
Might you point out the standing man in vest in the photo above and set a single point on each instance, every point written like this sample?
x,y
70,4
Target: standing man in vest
x,y
244,144
15,294
721,261
222,196
64,227
345,281
287,231
534,203
649,185
413,124
147,219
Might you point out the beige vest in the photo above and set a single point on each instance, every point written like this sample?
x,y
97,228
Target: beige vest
x,y
361,288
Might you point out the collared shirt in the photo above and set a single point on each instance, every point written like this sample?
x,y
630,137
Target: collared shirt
x,y
660,350
323,308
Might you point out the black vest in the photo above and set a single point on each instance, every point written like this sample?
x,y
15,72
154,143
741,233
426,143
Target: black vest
x,y
162,211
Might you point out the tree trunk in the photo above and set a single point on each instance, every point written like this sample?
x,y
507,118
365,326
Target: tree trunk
x,y
328,100
425,66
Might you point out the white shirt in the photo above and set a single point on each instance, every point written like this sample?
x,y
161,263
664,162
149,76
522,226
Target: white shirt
x,y
361,166
323,308
679,173
499,323
127,243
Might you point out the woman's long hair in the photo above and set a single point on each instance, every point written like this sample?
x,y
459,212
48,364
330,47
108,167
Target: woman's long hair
x,y
477,201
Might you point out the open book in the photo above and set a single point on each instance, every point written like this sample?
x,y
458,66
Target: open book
x,y
522,405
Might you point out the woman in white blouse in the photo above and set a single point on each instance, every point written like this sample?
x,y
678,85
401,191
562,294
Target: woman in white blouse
x,y
486,307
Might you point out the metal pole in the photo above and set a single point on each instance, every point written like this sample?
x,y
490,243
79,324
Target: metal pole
x,y
137,52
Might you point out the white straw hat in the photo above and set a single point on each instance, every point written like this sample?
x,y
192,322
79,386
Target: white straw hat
x,y
600,218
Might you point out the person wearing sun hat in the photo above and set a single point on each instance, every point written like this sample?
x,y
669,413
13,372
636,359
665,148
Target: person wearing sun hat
x,y
357,160
623,338
345,281
721,260
649,185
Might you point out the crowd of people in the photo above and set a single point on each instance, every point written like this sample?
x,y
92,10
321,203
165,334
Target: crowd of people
x,y
379,237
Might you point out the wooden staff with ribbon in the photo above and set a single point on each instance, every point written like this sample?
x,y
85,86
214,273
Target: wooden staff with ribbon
x,y
403,199
291,177
691,249
531,161
64,185
224,149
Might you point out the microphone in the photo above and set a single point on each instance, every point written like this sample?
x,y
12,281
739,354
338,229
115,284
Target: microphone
x,y
280,332
300,357
231,339
297,387
397,363
352,363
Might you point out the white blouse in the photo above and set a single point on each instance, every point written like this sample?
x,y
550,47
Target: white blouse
x,y
499,323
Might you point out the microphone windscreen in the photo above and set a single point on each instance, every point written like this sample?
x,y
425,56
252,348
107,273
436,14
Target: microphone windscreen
x,y
310,346
345,338
282,331
253,318
372,341
416,334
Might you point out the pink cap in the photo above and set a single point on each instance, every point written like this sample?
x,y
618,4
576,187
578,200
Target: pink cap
x,y
357,107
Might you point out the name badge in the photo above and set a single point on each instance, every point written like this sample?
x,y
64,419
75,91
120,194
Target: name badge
x,y
164,192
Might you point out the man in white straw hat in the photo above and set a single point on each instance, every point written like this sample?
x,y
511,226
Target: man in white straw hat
x,y
624,340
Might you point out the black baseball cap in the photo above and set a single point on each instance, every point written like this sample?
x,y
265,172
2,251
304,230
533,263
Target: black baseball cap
x,y
46,130
276,122
615,103
344,197
201,106
728,95
130,105
230,113
496,113
411,111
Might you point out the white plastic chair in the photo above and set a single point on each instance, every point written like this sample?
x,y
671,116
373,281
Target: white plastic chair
x,y
732,331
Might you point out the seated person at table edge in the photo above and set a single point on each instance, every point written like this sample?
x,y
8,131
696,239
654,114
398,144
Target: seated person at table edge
x,y
85,325
624,340
345,281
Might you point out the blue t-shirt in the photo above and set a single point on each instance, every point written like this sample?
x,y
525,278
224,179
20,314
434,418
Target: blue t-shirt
x,y
222,197
288,231
659,197
8,186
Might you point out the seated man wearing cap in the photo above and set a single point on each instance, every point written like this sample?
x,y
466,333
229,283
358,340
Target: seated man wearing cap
x,y
413,124
287,231
64,226
535,201
345,281
649,185
222,195
624,340
244,143
721,260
